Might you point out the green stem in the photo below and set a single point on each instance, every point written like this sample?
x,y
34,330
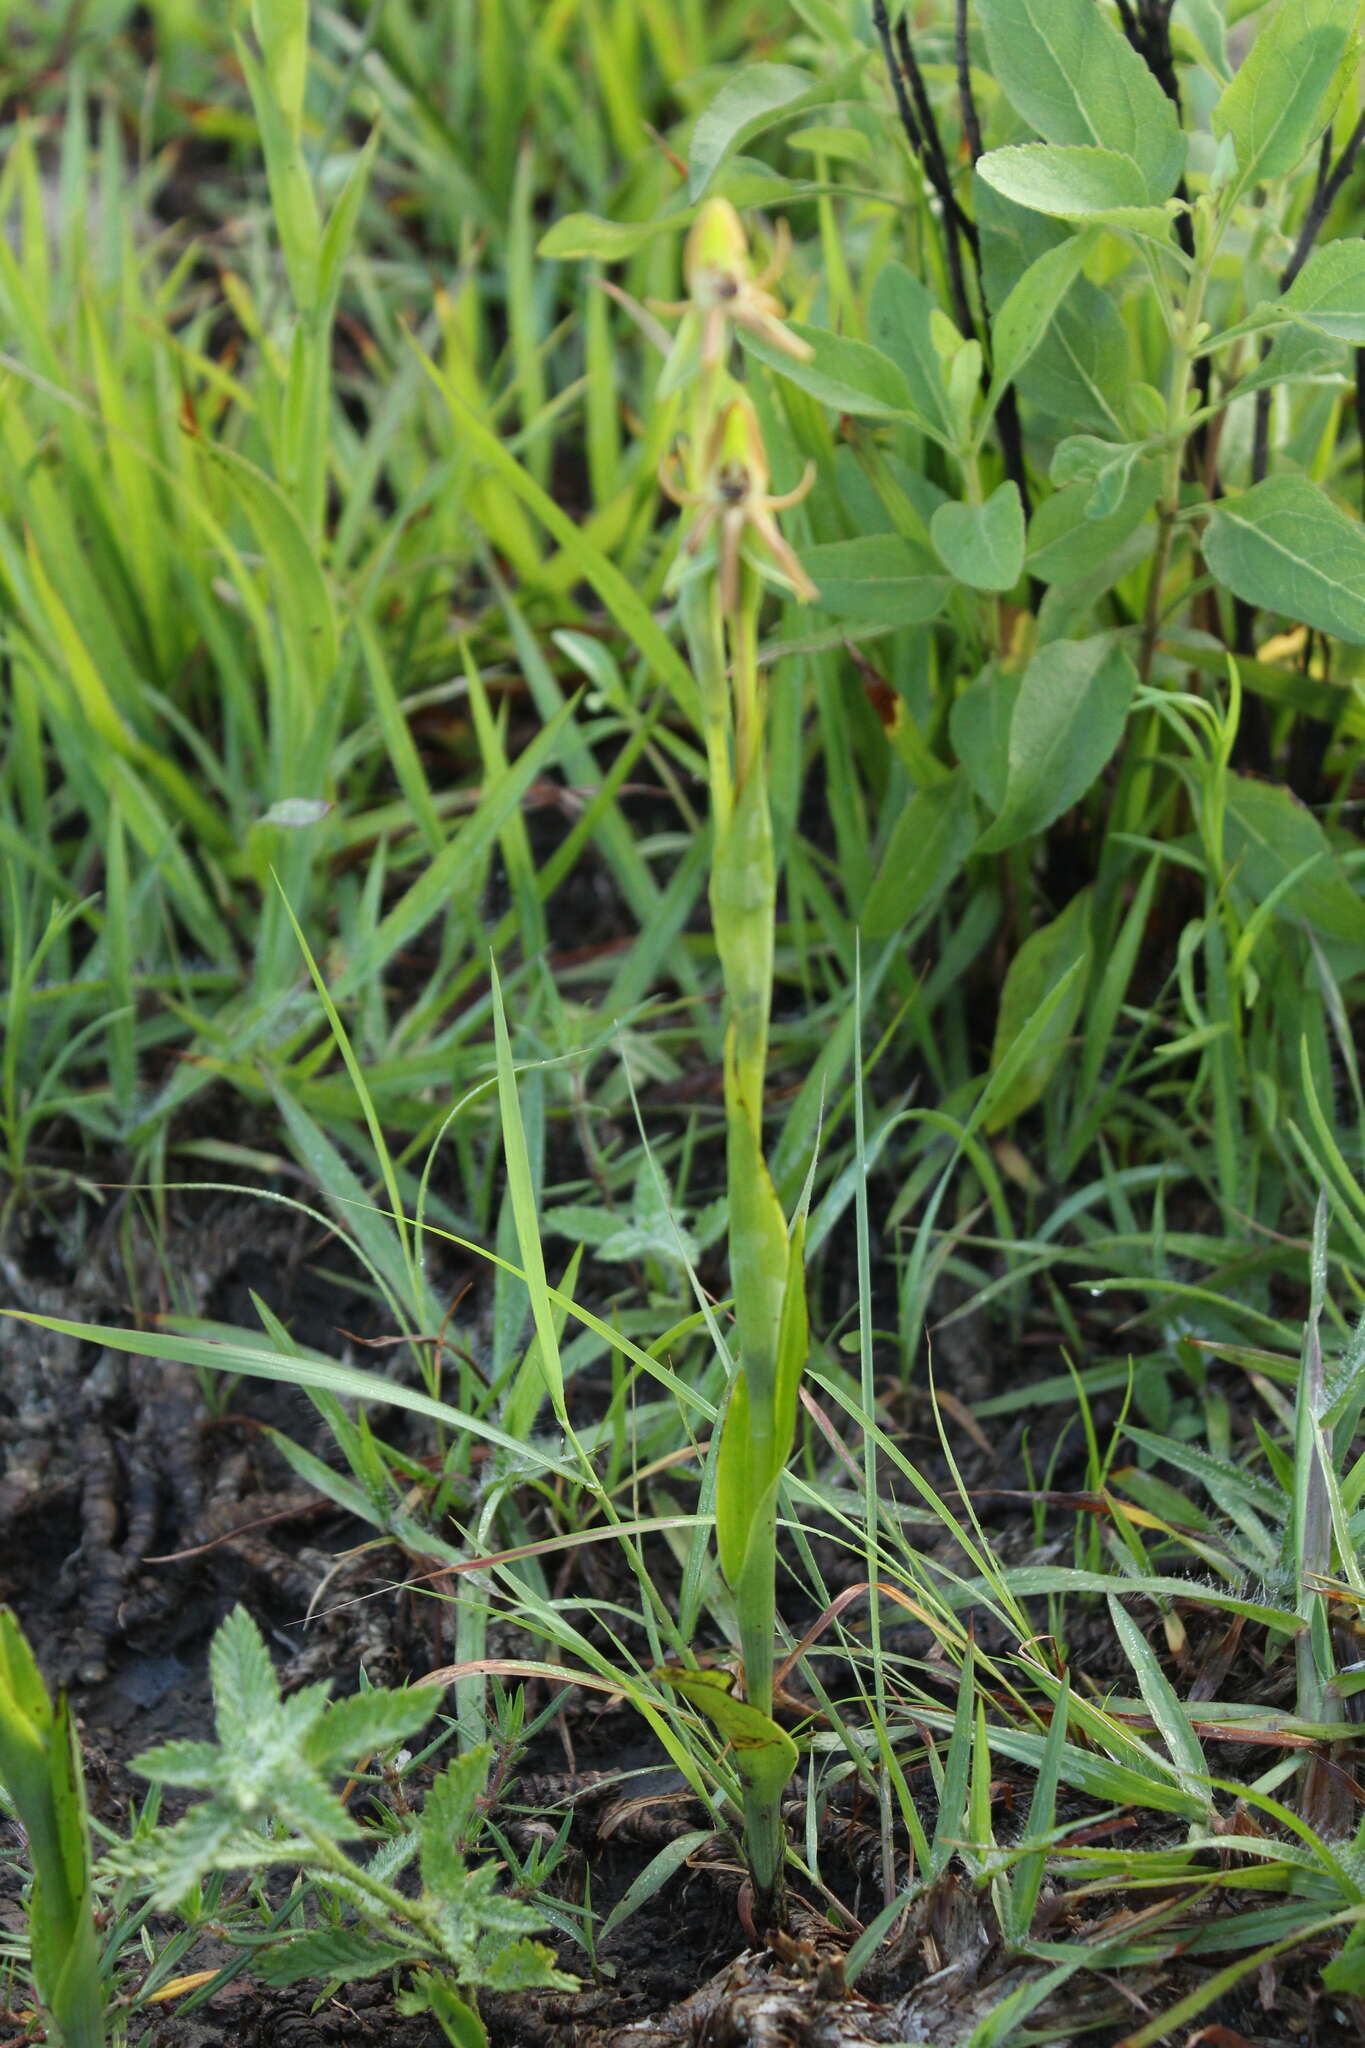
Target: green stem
x,y
1184,337
745,906
410,1913
1183,324
990,623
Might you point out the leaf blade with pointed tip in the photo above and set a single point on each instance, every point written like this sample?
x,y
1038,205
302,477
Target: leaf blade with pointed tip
x,y
1284,92
1066,67
1055,958
1286,547
1067,720
1071,182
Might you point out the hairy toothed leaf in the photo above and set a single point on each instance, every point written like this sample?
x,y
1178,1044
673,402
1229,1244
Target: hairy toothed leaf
x,y
341,1954
447,1813
368,1721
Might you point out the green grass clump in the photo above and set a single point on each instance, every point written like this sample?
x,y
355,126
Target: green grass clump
x,y
862,970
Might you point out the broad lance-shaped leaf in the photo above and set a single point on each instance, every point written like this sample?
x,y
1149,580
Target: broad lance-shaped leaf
x,y
1066,722
929,842
1287,87
793,1336
879,580
1075,78
760,1422
900,322
757,1434
759,1428
1285,547
759,1263
765,1755
1276,848
982,545
1030,308
742,891
1039,1004
741,1480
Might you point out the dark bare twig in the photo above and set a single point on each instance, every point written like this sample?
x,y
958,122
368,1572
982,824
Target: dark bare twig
x,y
923,137
1328,186
921,131
1331,178
1012,449
1130,27
971,125
1150,35
882,25
1158,52
936,161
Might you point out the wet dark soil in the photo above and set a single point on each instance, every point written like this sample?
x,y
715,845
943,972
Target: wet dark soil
x,y
138,1505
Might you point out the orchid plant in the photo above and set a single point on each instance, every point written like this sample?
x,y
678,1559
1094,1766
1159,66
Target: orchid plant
x,y
725,489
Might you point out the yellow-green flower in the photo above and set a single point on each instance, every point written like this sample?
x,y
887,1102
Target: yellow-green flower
x,y
724,293
734,498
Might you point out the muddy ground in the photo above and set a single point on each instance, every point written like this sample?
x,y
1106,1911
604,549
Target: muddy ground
x,y
137,1506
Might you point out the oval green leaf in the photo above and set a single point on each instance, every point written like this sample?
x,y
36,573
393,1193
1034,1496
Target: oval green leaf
x,y
1074,183
929,842
1285,547
982,545
1287,88
1075,78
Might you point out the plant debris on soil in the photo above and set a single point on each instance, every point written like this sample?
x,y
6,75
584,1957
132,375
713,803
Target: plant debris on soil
x,y
136,1515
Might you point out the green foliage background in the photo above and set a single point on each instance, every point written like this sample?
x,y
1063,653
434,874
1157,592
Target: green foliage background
x,y
340,654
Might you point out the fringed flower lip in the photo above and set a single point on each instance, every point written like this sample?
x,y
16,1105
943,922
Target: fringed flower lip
x,y
734,497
